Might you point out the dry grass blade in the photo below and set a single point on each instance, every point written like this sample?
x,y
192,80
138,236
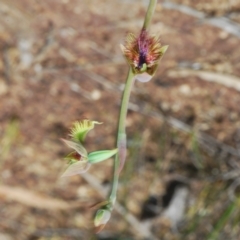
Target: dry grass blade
x,y
223,79
31,199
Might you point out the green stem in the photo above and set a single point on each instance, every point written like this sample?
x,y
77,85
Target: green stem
x,y
125,100
121,136
149,14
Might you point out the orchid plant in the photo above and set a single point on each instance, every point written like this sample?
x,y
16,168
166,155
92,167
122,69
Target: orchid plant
x,y
143,53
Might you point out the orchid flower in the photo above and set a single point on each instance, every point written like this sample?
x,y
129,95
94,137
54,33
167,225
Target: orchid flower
x,y
79,161
143,54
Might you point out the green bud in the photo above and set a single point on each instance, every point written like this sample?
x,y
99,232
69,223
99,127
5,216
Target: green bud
x,y
101,218
99,156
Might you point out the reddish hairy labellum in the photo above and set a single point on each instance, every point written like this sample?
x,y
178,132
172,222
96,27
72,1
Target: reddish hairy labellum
x,y
143,53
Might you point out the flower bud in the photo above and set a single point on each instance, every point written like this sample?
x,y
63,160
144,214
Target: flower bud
x,y
101,218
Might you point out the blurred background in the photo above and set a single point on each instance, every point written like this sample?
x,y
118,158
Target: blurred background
x,y
60,62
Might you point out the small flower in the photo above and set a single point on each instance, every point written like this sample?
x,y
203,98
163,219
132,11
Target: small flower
x,y
80,160
143,54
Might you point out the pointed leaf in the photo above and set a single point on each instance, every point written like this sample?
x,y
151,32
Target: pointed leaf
x,y
122,48
98,156
76,146
76,168
163,49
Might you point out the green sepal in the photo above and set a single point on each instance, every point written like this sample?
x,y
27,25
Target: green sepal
x,y
163,49
76,168
99,156
77,146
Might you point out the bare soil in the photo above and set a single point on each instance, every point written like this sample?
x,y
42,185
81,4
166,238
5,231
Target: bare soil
x,y
60,62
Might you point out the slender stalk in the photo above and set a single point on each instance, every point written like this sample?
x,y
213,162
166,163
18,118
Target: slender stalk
x,y
121,136
149,14
125,100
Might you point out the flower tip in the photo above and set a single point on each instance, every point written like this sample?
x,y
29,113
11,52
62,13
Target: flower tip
x,y
123,49
163,49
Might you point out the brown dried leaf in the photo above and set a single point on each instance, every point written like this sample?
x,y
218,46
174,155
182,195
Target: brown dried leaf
x,y
33,199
